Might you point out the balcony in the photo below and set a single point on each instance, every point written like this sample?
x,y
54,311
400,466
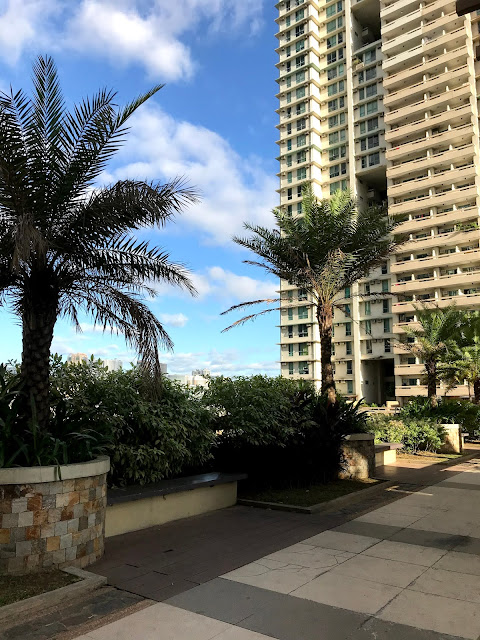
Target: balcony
x,y
460,281
446,260
464,112
421,223
397,8
452,196
453,58
435,160
450,96
451,176
416,370
398,329
468,301
421,390
458,136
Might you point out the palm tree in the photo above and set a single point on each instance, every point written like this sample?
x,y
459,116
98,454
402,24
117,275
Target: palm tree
x,y
433,341
67,246
464,362
328,248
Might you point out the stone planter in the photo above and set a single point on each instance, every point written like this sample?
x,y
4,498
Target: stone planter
x,y
359,457
52,517
453,439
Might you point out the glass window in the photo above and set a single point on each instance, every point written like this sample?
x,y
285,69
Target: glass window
x,y
290,314
386,306
302,294
385,286
288,160
300,61
301,156
348,329
372,124
289,177
303,313
387,345
368,346
386,325
368,308
300,92
299,15
290,332
302,173
372,107
302,331
300,46
370,56
299,76
290,369
371,90
303,368
373,159
331,42
371,73
290,350
348,292
301,124
349,367
301,140
349,386
368,326
348,349
303,349
289,145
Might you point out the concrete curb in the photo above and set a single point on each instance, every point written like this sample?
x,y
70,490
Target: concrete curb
x,y
31,607
341,501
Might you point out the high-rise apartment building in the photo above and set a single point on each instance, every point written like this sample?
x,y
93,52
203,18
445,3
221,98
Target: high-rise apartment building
x,y
381,97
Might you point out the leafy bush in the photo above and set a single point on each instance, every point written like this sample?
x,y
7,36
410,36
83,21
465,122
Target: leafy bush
x,y
278,430
74,434
448,411
423,434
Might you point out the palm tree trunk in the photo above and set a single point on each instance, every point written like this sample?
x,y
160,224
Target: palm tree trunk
x,y
431,369
325,324
476,391
37,335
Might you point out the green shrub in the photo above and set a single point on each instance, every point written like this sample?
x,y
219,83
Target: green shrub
x,y
423,434
278,430
448,411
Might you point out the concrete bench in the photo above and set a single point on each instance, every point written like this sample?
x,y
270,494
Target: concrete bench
x,y
139,507
386,453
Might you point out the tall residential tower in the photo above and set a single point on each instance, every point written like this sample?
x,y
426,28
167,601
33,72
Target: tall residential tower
x,y
381,97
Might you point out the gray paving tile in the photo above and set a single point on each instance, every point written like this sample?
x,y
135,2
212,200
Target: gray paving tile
x,y
451,484
290,618
370,529
428,539
466,544
225,600
375,629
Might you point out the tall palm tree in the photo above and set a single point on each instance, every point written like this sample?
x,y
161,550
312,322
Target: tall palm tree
x,y
464,362
67,246
328,248
433,341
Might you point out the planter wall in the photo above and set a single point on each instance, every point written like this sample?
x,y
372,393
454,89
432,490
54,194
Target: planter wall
x,y
453,439
359,457
49,519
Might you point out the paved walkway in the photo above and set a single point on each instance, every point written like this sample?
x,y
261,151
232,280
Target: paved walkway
x,y
409,569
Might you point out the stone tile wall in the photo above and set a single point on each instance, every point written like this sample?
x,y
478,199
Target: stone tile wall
x,y
52,524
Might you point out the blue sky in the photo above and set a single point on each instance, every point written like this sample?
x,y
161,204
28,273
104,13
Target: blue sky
x,y
214,122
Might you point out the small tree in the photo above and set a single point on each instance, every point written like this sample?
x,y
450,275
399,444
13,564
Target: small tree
x,y
464,362
67,246
433,341
328,248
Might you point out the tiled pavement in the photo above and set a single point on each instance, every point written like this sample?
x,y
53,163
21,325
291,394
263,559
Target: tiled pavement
x,y
407,570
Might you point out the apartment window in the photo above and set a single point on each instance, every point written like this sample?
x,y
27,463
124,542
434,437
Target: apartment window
x,y
302,294
303,349
290,350
367,288
302,331
371,90
290,368
301,140
368,346
288,161
287,21
302,173
288,67
349,367
336,186
348,329
338,152
334,8
288,82
412,382
289,145
331,42
289,97
333,105
334,121
373,159
299,30
301,108
301,156
369,143
289,210
386,325
303,313
300,92
338,169
349,386
385,286
299,15
303,368
371,73
384,269
299,208
290,332
386,306
368,308
289,177
337,136
335,24
300,46
368,326
301,124
288,51
387,346
299,191
290,314
289,194
300,76
299,61
348,349
348,292
289,128
370,56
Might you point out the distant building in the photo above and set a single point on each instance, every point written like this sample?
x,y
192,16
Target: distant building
x,y
77,358
113,364
163,368
201,372
189,380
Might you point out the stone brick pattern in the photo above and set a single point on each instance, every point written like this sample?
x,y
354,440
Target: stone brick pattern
x,y
52,524
358,460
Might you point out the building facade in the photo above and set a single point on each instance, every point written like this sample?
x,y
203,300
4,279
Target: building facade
x,y
381,97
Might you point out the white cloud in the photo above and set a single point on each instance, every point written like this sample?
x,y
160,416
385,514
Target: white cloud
x,y
228,362
234,189
173,319
154,34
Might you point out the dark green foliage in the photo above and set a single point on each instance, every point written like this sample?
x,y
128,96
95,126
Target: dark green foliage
x,y
448,411
417,434
279,431
75,433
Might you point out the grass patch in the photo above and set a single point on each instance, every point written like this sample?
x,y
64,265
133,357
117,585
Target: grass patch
x,y
430,456
15,588
306,497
